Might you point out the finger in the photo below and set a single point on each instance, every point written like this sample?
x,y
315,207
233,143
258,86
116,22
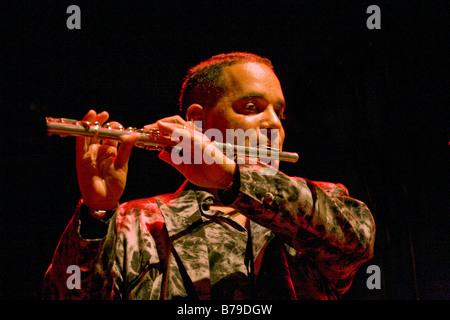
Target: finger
x,y
81,146
102,117
125,148
153,126
172,120
113,125
90,116
170,127
82,143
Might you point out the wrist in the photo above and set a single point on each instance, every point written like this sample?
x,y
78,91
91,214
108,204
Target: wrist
x,y
99,214
93,224
99,205
228,178
228,194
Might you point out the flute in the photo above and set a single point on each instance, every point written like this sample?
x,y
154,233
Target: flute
x,y
154,139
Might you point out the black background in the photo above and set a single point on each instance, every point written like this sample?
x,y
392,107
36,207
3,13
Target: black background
x,y
367,108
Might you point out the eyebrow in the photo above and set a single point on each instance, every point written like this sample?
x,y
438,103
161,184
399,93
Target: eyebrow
x,y
253,95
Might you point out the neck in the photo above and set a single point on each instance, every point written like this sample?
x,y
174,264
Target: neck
x,y
235,214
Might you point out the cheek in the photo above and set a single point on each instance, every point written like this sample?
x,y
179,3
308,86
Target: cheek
x,y
226,119
244,122
280,139
282,136
217,121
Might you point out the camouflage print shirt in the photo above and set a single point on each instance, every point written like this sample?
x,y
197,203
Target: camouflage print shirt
x,y
305,240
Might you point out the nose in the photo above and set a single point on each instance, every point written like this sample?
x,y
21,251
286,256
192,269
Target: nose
x,y
273,128
270,119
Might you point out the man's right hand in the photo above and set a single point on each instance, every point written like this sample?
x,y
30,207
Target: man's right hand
x,y
102,166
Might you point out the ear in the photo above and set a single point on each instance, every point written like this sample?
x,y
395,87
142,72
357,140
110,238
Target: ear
x,y
194,112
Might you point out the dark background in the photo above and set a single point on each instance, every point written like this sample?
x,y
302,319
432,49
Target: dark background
x,y
367,108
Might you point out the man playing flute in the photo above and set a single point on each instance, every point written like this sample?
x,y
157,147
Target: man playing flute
x,y
233,230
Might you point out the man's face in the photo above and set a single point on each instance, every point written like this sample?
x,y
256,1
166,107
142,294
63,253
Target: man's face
x,y
254,100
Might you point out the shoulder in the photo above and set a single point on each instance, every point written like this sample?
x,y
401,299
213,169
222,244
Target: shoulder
x,y
334,188
139,205
145,210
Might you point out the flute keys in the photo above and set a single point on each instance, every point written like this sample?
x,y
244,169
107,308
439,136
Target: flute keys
x,y
107,125
85,124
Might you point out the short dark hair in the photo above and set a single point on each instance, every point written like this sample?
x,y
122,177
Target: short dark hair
x,y
204,83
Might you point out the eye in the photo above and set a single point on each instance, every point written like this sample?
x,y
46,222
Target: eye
x,y
250,106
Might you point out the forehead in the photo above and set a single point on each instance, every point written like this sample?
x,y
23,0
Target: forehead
x,y
251,77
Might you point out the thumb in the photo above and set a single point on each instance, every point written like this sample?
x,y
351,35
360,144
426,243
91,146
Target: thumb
x,y
167,157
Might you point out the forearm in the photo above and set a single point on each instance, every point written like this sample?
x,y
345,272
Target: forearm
x,y
290,205
336,230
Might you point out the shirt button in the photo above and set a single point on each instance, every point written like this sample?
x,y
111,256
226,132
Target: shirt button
x,y
268,198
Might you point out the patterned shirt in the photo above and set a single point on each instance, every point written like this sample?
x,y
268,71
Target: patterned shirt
x,y
305,240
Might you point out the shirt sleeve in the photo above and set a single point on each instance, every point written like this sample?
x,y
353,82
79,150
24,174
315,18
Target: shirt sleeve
x,y
320,220
82,264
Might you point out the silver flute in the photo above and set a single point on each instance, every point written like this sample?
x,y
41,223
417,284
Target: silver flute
x,y
154,139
